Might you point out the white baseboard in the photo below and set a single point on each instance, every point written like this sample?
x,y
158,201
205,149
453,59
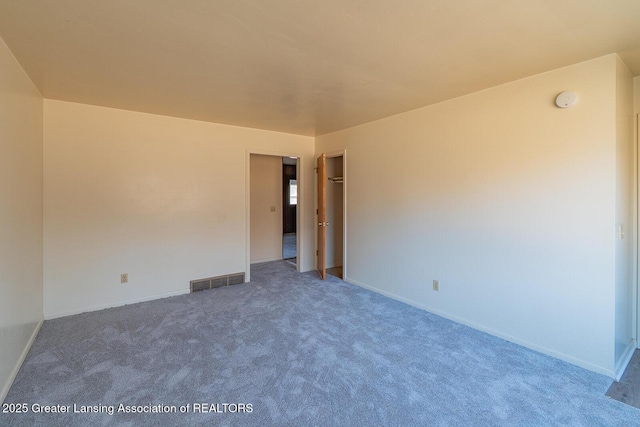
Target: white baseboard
x,y
625,359
16,368
540,349
55,315
258,261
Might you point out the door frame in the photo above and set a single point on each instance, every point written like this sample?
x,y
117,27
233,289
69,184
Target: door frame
x,y
321,214
247,203
332,154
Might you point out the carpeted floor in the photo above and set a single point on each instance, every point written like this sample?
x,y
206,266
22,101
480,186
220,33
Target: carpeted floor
x,y
289,246
301,352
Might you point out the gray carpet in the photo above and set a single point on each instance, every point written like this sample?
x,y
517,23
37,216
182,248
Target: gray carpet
x,y
289,246
301,352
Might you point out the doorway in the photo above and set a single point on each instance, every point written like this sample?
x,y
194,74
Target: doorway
x,y
289,208
264,208
331,215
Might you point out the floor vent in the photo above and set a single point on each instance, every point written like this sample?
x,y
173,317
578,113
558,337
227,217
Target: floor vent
x,y
216,282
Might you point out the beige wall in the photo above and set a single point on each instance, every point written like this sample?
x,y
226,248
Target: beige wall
x,y
160,198
20,215
507,200
625,216
266,193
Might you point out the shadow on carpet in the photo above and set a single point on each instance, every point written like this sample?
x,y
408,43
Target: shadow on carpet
x,y
627,390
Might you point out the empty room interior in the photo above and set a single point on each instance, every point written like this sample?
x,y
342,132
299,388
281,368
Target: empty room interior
x,y
319,213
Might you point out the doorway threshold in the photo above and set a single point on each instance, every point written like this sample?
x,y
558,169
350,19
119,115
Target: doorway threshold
x,y
335,271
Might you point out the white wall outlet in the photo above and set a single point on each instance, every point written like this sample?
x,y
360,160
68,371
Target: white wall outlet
x,y
124,278
436,285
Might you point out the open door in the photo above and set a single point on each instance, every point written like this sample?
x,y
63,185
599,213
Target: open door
x,y
322,216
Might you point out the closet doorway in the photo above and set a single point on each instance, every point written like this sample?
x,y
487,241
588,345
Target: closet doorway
x,y
331,237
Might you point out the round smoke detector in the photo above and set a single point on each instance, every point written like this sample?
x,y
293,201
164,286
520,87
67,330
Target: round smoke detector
x,y
566,100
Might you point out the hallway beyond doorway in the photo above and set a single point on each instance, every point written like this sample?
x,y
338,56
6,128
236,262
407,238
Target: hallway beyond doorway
x,y
289,245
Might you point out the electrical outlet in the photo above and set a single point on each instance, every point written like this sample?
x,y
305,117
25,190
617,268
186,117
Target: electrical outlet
x,y
124,278
436,285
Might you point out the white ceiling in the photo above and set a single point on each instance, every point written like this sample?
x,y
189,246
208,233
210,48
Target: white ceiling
x,y
302,66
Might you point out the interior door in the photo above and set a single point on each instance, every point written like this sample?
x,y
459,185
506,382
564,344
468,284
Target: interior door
x,y
322,216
